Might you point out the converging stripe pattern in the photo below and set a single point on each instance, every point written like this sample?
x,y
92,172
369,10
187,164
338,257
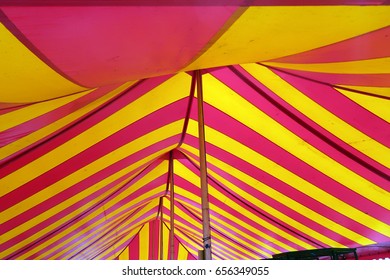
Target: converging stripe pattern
x,y
99,114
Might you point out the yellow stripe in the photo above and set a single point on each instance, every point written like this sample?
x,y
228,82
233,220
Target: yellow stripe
x,y
193,178
377,106
262,33
31,223
30,112
144,243
125,254
292,180
382,91
22,74
55,126
143,106
237,107
92,168
370,66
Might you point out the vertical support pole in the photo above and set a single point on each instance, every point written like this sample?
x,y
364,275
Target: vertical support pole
x,y
161,229
203,171
172,212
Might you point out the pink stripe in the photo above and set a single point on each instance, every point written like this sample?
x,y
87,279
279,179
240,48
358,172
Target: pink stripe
x,y
305,128
366,46
116,44
26,128
81,126
151,122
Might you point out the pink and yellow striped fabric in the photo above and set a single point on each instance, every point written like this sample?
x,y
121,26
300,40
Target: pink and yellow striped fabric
x,y
98,106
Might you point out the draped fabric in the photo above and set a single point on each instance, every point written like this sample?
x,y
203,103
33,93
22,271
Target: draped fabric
x,y
98,106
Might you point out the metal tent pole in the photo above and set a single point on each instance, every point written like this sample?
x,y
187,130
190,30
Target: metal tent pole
x,y
203,171
172,212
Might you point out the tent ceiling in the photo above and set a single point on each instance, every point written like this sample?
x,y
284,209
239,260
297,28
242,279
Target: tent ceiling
x,y
96,100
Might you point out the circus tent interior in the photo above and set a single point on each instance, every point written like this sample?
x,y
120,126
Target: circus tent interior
x,y
224,130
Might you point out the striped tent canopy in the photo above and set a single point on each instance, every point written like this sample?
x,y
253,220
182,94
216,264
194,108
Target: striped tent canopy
x,y
99,127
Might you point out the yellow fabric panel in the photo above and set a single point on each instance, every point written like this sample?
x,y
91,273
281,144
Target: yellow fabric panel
x,y
155,99
29,224
382,91
291,179
32,111
144,243
124,255
22,73
376,105
246,113
55,126
265,33
370,66
325,119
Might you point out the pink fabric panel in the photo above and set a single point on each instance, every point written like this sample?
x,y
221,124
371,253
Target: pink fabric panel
x,y
106,45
